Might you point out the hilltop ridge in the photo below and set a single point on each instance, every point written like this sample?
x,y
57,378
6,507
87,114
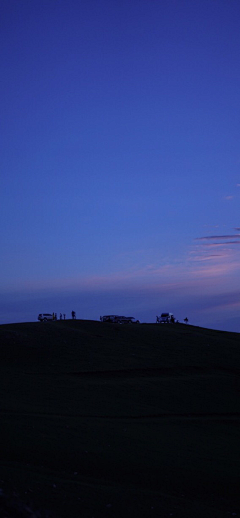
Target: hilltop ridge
x,y
98,345
104,419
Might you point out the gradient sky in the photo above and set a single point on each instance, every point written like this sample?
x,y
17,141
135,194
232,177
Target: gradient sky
x,y
120,159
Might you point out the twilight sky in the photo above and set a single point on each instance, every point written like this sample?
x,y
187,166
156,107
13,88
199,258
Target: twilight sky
x,y
120,159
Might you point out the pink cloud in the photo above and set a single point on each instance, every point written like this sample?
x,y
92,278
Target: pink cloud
x,y
196,265
220,244
228,236
226,302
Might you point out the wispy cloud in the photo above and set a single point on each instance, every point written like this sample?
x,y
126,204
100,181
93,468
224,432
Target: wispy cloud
x,y
228,236
211,226
219,245
226,301
216,256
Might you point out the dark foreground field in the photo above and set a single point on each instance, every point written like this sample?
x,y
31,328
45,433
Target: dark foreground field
x,y
105,420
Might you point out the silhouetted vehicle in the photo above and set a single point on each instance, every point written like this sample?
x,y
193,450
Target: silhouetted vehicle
x,y
108,318
116,319
165,318
44,317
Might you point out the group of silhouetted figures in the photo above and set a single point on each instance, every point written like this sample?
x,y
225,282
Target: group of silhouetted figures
x,y
62,316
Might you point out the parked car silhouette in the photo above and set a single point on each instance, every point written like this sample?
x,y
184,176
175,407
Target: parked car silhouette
x,y
44,317
116,319
166,318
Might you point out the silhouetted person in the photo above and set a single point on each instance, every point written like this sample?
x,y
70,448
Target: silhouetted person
x,y
64,316
55,316
186,320
60,316
73,315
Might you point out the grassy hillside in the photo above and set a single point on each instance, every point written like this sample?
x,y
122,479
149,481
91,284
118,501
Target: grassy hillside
x,y
103,419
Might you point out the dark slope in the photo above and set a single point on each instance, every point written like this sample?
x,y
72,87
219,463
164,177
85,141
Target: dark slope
x,y
102,419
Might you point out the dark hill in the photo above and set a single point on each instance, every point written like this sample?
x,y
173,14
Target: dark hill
x,y
117,420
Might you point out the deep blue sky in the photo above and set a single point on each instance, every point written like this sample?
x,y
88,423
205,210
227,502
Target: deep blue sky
x,y
120,159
